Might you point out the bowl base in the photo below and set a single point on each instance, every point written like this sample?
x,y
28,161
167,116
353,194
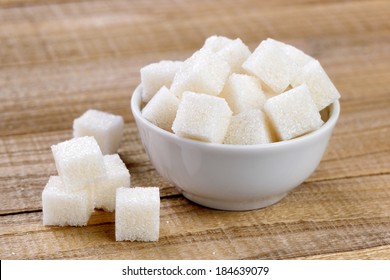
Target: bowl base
x,y
234,205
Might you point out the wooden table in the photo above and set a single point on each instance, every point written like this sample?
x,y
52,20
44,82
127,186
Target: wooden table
x,y
60,58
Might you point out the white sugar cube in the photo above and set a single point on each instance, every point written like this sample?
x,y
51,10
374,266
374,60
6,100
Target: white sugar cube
x,y
248,128
105,127
202,117
234,52
156,75
62,207
79,162
161,109
203,72
298,56
137,214
321,87
243,93
216,43
293,113
272,66
117,176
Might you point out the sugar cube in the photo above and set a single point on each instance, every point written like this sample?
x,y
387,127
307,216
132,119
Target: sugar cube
x,y
63,207
272,66
105,127
137,214
161,109
293,113
216,43
156,75
234,52
321,87
248,128
105,188
243,93
298,56
79,162
203,72
202,117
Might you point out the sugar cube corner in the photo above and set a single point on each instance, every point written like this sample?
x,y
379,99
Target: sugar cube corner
x,y
322,89
202,117
203,72
272,66
106,128
293,113
248,128
79,162
64,207
156,75
243,92
137,214
117,175
161,109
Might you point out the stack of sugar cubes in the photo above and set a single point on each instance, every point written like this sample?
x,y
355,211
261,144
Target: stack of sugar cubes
x,y
92,175
225,94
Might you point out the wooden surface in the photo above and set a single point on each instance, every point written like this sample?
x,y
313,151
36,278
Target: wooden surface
x,y
60,58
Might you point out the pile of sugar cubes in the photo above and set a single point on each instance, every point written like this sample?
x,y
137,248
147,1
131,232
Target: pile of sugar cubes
x,y
92,175
225,94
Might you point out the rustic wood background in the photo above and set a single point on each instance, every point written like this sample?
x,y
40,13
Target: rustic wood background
x,y
59,58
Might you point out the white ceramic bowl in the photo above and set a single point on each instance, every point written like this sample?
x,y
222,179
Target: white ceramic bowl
x,y
233,177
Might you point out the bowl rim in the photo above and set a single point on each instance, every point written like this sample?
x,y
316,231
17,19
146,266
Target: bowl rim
x,y
334,112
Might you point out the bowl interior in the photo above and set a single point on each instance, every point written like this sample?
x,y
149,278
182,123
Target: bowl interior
x,y
329,115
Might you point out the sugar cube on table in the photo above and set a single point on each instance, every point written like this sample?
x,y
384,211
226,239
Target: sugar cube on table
x,y
203,72
161,109
79,162
293,113
156,75
105,127
243,92
202,117
234,52
63,207
105,188
137,214
248,128
272,66
321,87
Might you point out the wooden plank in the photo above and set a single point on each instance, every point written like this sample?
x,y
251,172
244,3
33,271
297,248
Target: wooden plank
x,y
59,58
375,253
89,30
318,218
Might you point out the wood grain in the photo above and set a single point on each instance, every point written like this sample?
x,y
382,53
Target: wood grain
x,y
60,58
